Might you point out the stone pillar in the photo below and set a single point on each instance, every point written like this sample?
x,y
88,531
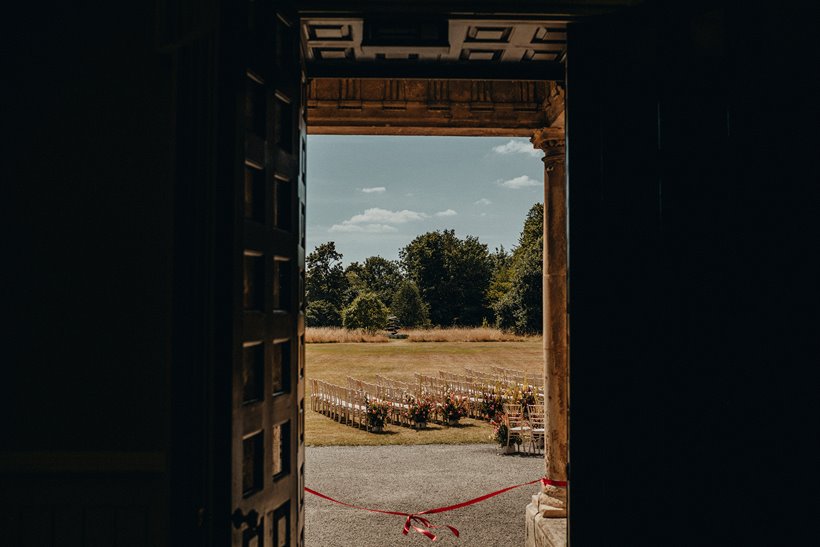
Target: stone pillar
x,y
552,501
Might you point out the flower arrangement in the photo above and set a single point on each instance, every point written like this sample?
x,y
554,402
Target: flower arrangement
x,y
418,409
377,412
491,404
526,397
499,434
523,397
454,407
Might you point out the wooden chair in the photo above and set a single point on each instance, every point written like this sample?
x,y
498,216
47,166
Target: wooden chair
x,y
516,424
537,423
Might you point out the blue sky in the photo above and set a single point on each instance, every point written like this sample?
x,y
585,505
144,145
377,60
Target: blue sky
x,y
373,194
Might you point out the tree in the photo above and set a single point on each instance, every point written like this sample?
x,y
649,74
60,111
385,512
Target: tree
x,y
377,275
451,274
366,312
520,307
408,306
321,313
325,281
500,279
470,272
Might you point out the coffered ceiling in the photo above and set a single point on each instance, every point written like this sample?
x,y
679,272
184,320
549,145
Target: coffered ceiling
x,y
440,45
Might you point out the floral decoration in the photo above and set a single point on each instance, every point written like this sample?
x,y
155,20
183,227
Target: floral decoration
x,y
492,404
418,409
377,412
454,406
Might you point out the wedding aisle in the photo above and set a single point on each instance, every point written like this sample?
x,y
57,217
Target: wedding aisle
x,y
415,478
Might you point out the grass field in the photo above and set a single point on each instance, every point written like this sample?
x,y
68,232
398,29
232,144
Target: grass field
x,y
400,359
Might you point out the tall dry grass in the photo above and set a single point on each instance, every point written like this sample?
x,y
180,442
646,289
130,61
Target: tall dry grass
x,y
462,334
326,335
330,335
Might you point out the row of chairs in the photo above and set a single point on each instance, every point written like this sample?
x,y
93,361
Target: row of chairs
x,y
343,404
517,376
347,404
505,380
437,388
395,395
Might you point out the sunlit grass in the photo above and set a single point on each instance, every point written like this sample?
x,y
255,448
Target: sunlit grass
x,y
400,359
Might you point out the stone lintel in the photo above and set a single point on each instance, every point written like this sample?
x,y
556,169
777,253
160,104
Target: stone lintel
x,y
429,107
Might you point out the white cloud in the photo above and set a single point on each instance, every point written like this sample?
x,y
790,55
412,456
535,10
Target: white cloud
x,y
377,221
517,147
519,182
374,190
447,213
362,228
483,201
385,216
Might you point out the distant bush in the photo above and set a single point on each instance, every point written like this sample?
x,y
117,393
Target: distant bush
x,y
408,306
366,312
321,313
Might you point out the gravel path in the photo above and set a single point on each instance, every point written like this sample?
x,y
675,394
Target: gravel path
x,y
415,478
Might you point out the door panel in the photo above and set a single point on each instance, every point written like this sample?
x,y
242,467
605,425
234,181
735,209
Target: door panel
x,y
650,251
267,444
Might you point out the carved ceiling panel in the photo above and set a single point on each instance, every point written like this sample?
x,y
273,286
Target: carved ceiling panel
x,y
468,41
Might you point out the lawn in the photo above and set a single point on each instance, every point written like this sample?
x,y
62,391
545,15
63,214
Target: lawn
x,y
400,359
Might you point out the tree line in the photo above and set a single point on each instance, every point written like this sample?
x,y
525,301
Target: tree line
x,y
439,280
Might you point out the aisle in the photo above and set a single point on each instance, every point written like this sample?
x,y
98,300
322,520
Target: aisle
x,y
414,478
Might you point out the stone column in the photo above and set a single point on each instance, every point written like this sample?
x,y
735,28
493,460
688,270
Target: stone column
x,y
552,501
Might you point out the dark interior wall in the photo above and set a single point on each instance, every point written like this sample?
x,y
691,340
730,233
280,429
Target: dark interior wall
x,y
87,211
87,142
692,298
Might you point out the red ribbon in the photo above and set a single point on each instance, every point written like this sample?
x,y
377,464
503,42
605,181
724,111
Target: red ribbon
x,y
426,525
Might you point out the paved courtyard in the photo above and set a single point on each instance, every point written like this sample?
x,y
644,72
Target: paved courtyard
x,y
415,478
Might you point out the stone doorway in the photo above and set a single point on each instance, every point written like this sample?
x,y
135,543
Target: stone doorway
x,y
473,107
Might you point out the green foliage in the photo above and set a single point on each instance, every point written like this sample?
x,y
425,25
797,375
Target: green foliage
x,y
449,282
408,306
321,313
515,292
500,279
377,275
325,281
451,274
366,312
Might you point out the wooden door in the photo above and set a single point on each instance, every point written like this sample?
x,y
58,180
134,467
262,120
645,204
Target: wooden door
x,y
267,387
650,229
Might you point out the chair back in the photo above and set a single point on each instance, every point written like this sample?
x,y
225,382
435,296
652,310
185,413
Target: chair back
x,y
513,409
536,415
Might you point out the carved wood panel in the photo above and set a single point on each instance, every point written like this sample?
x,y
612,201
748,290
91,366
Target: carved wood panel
x,y
267,447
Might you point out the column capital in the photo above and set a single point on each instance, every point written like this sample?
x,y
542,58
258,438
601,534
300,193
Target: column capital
x,y
551,141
